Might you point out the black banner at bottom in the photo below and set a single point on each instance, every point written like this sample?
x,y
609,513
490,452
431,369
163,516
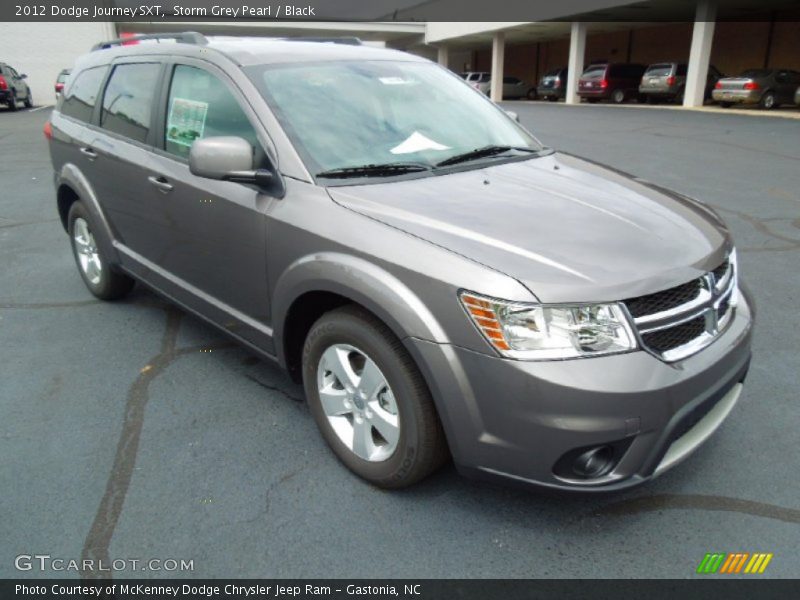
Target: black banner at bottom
x,y
400,589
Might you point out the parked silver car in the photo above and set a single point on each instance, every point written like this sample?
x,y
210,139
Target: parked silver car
x,y
769,88
440,282
667,81
480,80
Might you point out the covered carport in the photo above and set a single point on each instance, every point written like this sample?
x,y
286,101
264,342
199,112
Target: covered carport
x,y
731,34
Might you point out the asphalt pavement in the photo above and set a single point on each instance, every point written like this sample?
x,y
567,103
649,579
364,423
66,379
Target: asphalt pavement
x,y
133,431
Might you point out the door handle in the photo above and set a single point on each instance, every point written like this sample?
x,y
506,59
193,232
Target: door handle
x,y
161,183
89,153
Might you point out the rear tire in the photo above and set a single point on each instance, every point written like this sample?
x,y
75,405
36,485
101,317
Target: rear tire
x,y
12,103
651,99
390,434
29,100
767,101
532,94
726,104
618,96
99,275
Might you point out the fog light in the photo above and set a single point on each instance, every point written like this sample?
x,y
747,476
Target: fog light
x,y
594,463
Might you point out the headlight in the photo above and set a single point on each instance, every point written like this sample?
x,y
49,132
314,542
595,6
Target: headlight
x,y
541,332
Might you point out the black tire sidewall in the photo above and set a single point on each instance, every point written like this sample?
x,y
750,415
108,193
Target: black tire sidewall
x,y
341,327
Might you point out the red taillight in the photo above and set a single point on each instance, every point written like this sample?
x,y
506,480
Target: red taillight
x,y
671,80
604,83
751,85
59,87
48,130
3,84
718,85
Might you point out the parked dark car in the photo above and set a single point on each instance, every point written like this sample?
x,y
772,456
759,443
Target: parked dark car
x,y
13,88
616,82
769,88
553,86
797,96
441,282
61,80
667,81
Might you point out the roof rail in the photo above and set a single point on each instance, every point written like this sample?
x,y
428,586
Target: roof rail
x,y
187,37
347,41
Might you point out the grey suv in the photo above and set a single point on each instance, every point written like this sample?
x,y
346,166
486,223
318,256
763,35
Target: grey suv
x,y
441,283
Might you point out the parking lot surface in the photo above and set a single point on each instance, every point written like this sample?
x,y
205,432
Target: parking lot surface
x,y
133,431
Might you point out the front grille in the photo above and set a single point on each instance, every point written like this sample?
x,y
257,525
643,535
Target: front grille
x,y
664,340
666,300
670,320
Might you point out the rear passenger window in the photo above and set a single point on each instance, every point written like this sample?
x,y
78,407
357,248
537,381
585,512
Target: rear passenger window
x,y
80,101
128,100
201,106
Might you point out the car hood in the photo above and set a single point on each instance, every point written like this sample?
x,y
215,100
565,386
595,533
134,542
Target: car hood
x,y
568,229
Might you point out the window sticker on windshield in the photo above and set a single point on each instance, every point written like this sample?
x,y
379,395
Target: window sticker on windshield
x,y
417,142
394,81
186,121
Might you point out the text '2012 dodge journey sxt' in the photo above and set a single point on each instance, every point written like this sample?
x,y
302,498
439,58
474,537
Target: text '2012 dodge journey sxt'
x,y
441,283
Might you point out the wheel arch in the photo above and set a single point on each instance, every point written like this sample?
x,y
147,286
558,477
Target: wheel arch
x,y
71,186
322,282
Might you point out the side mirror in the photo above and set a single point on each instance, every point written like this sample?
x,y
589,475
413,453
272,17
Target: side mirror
x,y
23,76
513,115
231,159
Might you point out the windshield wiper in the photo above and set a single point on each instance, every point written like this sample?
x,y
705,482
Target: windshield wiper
x,y
382,170
482,152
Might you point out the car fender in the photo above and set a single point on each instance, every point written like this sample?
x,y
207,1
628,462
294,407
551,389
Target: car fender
x,y
72,177
361,281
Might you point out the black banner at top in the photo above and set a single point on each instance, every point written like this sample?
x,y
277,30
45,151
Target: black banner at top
x,y
391,10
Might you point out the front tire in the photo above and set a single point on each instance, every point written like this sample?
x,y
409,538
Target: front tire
x,y
12,103
370,401
95,269
29,100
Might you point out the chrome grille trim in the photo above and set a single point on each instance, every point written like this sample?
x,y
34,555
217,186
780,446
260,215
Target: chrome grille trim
x,y
715,303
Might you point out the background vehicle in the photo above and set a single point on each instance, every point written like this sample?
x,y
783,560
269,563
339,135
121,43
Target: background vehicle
x,y
769,88
667,81
61,81
553,86
13,88
616,82
797,96
515,88
480,80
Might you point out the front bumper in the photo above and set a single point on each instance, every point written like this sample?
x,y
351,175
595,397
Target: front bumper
x,y
737,96
517,420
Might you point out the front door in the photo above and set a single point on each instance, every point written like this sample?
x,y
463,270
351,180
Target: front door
x,y
216,240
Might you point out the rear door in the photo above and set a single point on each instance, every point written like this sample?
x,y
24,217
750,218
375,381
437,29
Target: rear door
x,y
121,151
215,244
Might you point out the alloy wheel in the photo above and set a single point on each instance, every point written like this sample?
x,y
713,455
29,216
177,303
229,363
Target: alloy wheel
x,y
358,402
86,251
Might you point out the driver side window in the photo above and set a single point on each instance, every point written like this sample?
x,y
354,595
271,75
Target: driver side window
x,y
201,106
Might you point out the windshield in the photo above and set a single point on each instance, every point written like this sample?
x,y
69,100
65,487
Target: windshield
x,y
343,115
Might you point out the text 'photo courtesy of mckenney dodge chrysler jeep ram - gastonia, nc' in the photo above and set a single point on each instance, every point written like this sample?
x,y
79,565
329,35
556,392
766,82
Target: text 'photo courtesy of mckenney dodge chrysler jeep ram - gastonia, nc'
x,y
444,285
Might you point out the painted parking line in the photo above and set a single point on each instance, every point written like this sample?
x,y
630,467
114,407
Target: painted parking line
x,y
39,108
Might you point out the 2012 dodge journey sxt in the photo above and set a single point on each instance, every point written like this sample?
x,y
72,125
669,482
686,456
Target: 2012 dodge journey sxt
x,y
441,283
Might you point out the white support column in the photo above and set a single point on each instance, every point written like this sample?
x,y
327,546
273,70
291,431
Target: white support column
x,y
498,60
700,53
577,49
443,55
